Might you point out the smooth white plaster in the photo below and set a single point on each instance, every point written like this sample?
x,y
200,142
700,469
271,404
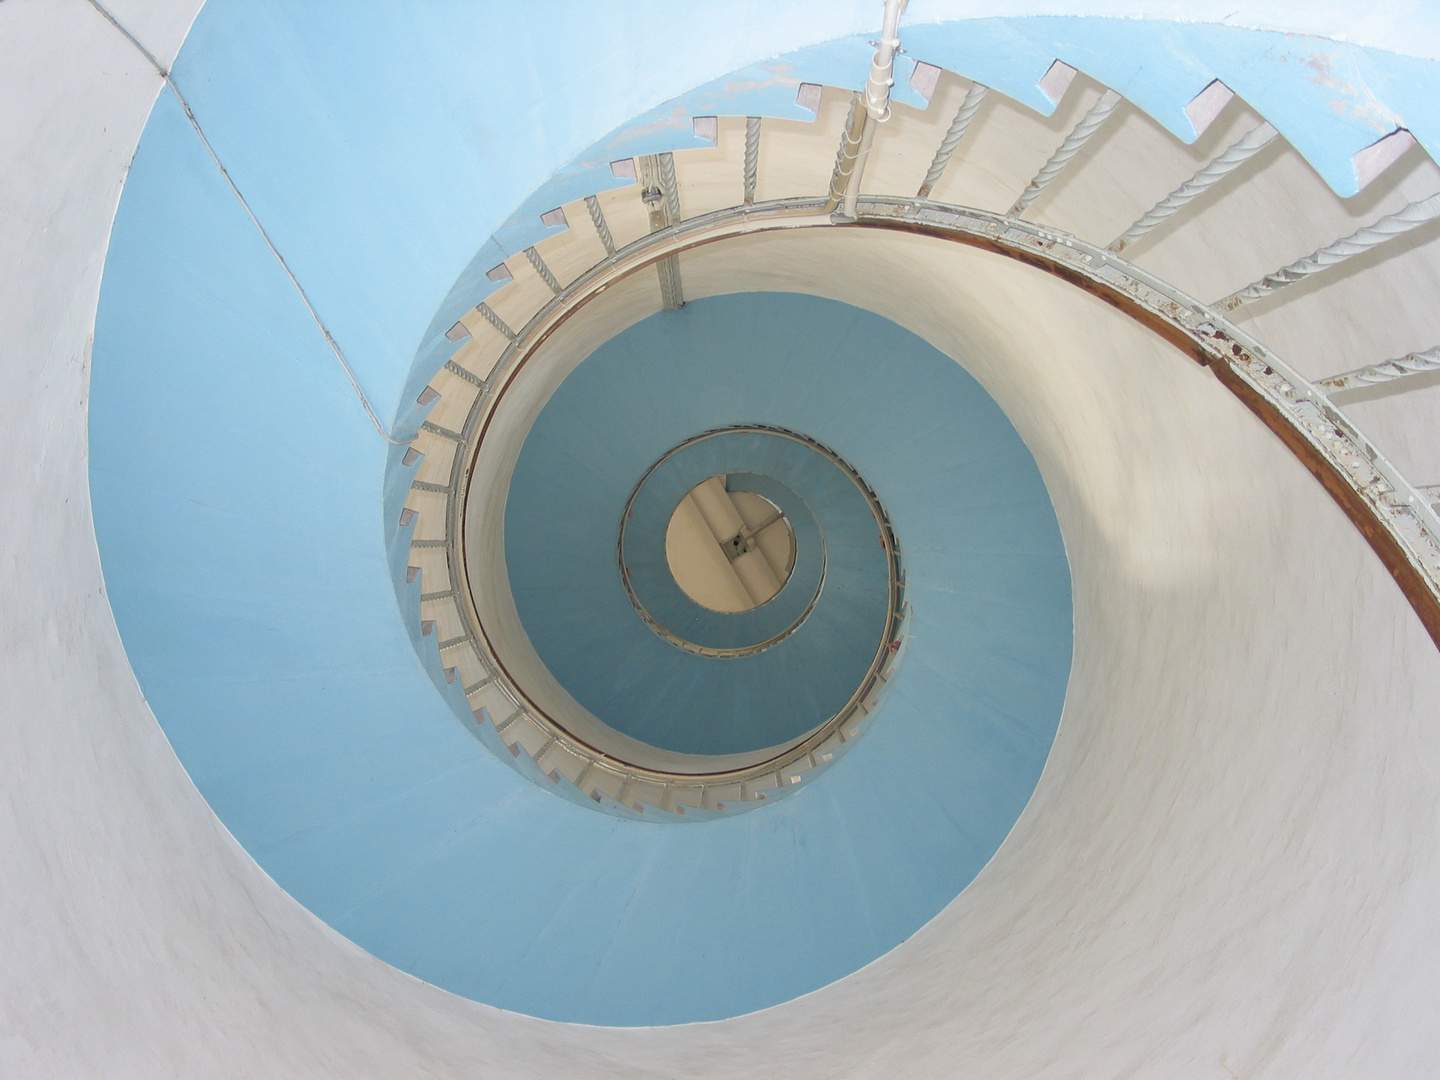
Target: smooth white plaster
x,y
1229,868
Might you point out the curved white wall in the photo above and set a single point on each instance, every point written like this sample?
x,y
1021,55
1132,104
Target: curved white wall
x,y
1229,867
1229,857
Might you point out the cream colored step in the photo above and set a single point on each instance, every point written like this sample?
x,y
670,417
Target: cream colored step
x,y
1266,214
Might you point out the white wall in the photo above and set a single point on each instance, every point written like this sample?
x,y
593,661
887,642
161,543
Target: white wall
x,y
1229,867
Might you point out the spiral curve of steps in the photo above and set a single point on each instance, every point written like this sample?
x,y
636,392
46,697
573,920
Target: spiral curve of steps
x,y
1228,861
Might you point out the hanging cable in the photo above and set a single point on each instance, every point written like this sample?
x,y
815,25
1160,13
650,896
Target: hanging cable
x,y
300,291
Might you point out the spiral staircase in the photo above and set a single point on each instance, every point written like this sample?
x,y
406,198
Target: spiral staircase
x,y
1207,319
1105,159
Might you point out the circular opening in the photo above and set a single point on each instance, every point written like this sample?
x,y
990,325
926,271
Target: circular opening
x,y
729,551
744,624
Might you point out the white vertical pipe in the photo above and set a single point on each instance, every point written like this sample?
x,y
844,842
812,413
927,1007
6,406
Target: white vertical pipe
x,y
877,95
852,193
882,64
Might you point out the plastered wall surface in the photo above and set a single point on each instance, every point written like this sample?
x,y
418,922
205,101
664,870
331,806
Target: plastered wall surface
x,y
1210,858
1228,867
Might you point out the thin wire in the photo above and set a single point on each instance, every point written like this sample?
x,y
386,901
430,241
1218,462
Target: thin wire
x,y
300,291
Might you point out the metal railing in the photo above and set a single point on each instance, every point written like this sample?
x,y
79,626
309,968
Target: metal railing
x,y
1395,516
